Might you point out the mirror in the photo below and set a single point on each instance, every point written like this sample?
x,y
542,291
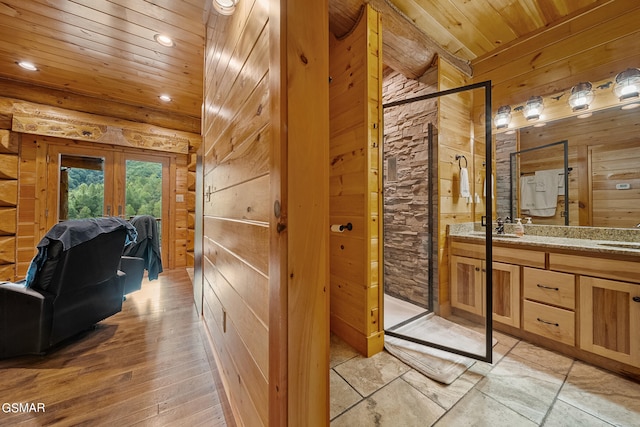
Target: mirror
x,y
539,176
603,183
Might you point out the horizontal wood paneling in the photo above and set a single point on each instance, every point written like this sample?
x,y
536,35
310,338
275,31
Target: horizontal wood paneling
x,y
250,329
236,185
249,241
231,365
251,285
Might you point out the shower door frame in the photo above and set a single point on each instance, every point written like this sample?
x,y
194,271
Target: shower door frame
x,y
486,85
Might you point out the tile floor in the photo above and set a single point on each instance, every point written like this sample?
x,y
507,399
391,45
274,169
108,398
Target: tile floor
x,y
525,386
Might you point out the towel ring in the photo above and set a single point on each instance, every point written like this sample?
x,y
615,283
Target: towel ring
x,y
460,156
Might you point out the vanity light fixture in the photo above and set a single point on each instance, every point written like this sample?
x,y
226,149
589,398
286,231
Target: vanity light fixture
x,y
503,117
27,65
581,96
225,7
627,84
164,40
533,108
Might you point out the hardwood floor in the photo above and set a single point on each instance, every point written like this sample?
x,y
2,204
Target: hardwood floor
x,y
147,365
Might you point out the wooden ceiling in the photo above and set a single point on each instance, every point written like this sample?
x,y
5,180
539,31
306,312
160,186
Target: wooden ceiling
x,y
105,49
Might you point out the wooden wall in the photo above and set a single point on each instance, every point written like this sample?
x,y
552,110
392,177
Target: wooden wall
x,y
355,185
265,181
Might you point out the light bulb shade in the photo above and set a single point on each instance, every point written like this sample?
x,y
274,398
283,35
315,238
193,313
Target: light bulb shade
x,y
627,84
503,117
225,7
581,96
533,108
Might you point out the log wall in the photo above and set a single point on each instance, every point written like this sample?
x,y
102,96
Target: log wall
x,y
9,161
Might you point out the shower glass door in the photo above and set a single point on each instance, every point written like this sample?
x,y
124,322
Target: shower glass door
x,y
463,325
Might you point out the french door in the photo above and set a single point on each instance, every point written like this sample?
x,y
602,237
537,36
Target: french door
x,y
85,182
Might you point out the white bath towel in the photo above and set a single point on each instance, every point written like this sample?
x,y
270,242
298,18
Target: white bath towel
x,y
464,183
527,193
545,196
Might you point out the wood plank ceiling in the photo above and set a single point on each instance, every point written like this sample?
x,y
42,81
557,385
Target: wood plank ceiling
x,y
105,49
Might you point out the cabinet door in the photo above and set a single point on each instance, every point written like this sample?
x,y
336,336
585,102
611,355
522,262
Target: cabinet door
x,y
466,284
506,294
610,319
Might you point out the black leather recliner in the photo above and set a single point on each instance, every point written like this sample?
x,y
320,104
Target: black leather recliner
x,y
147,245
74,282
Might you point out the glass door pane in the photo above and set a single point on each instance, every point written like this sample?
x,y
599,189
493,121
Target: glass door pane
x,y
81,183
143,189
81,187
420,196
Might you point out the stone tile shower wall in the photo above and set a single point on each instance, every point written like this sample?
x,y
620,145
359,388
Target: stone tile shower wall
x,y
406,210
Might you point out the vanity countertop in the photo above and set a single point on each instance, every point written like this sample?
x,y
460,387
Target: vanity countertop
x,y
605,241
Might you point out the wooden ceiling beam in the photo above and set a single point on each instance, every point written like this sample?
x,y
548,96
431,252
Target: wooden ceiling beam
x,y
406,49
87,104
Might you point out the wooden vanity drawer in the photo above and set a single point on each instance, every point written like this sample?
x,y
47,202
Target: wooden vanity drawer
x,y
551,322
550,287
519,256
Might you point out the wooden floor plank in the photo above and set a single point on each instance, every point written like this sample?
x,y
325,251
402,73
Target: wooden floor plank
x,y
147,365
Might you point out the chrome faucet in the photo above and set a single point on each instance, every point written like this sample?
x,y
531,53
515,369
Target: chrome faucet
x,y
500,227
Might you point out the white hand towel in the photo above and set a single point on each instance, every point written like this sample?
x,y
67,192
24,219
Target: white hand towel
x,y
489,182
464,183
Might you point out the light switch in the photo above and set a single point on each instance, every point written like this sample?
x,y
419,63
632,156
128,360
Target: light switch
x,y
179,198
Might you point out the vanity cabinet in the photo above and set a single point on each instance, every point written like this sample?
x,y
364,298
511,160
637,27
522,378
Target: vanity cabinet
x,y
468,283
610,319
581,303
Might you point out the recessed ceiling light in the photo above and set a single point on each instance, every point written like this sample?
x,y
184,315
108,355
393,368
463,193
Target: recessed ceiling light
x,y
27,65
225,7
164,40
165,98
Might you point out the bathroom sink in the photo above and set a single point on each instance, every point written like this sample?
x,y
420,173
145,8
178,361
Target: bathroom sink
x,y
621,245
